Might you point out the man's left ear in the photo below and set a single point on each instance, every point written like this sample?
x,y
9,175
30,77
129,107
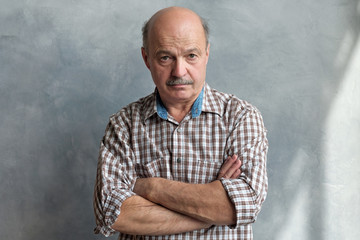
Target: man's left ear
x,y
207,52
145,57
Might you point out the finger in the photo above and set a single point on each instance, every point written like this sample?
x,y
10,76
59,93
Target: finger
x,y
226,166
236,174
236,166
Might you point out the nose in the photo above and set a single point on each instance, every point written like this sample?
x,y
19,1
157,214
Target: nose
x,y
179,68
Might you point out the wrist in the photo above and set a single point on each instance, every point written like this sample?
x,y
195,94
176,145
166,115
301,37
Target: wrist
x,y
151,187
145,187
140,187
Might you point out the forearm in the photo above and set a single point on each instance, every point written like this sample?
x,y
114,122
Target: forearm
x,y
205,202
142,217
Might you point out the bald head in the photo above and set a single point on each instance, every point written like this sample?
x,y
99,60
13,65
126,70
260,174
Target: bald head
x,y
171,18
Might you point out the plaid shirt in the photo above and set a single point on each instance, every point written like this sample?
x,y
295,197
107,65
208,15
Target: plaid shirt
x,y
142,140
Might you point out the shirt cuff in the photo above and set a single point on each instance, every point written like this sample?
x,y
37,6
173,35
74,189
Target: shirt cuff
x,y
243,198
111,210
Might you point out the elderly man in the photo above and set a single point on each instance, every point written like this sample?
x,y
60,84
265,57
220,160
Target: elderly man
x,y
185,162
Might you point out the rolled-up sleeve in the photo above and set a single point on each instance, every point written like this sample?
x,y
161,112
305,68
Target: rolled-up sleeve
x,y
115,176
248,192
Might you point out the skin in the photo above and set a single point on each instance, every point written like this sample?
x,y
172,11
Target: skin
x,y
140,216
177,49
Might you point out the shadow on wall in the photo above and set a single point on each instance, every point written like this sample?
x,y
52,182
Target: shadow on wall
x,y
303,188
55,97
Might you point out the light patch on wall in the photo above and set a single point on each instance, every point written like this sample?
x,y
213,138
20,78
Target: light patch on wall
x,y
294,227
345,49
297,169
341,150
297,221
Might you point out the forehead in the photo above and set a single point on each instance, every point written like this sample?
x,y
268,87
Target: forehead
x,y
178,43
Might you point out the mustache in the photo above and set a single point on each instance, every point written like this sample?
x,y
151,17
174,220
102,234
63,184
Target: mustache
x,y
179,81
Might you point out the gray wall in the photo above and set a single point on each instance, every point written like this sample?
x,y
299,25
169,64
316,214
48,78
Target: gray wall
x,y
65,66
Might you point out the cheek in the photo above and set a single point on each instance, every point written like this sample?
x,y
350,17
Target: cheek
x,y
159,74
198,72
163,70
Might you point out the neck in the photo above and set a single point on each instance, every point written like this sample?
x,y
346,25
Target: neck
x,y
178,108
179,111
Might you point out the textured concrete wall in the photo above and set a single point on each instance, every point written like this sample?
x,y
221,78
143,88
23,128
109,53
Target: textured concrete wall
x,y
65,66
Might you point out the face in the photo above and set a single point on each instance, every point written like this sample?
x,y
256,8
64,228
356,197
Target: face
x,y
177,56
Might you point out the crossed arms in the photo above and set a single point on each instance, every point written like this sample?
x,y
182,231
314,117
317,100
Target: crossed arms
x,y
158,206
163,207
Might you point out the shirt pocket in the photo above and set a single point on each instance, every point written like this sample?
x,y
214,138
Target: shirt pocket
x,y
156,168
203,171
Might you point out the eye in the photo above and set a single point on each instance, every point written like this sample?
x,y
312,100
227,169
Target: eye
x,y
192,55
164,58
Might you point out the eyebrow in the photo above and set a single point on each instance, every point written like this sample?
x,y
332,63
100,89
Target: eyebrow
x,y
187,51
196,50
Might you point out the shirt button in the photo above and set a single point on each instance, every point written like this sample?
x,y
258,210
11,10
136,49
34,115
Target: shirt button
x,y
178,160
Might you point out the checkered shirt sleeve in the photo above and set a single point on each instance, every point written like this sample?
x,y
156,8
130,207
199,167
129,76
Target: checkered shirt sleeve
x,y
248,141
115,174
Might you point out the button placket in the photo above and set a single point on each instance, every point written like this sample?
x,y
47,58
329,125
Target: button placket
x,y
179,138
178,142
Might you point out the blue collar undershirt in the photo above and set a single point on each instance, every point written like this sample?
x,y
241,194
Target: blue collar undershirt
x,y
195,109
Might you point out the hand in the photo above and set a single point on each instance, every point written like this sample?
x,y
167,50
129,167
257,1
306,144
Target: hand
x,y
230,168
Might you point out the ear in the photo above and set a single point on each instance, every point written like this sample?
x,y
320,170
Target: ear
x,y
145,57
207,52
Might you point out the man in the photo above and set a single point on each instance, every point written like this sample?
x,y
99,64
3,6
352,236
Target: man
x,y
186,162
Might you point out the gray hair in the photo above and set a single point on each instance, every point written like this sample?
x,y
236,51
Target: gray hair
x,y
145,32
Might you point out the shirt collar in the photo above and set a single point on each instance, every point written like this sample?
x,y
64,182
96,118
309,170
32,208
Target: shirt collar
x,y
195,109
207,101
160,108
213,101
